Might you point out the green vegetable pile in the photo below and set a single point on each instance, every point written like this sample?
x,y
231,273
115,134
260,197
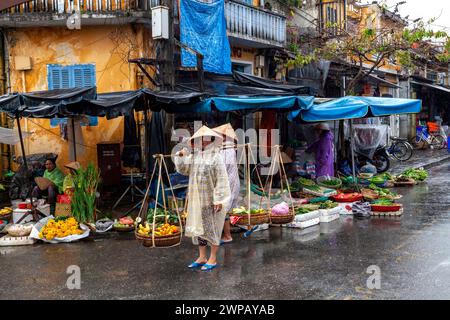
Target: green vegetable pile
x,y
172,217
382,192
388,176
378,179
302,210
416,174
331,182
383,202
83,201
328,205
313,187
305,182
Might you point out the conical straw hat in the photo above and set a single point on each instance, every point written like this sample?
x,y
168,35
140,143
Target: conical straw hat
x,y
43,183
205,132
226,129
73,165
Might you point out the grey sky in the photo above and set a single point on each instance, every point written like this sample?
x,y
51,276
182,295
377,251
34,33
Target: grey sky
x,y
425,9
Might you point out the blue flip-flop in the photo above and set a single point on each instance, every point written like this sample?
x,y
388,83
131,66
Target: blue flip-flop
x,y
208,267
194,265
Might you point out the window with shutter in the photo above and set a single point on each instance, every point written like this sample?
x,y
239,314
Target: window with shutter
x,y
74,76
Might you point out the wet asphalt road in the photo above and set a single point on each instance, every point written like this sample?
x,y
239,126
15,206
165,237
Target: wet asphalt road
x,y
323,262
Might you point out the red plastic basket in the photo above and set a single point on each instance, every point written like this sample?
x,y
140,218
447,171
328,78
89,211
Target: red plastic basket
x,y
381,208
347,199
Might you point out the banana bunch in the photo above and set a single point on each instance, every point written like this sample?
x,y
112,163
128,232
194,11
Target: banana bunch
x,y
239,210
144,230
5,211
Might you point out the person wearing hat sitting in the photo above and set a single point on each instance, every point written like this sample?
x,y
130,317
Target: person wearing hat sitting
x,y
208,194
53,185
68,184
323,150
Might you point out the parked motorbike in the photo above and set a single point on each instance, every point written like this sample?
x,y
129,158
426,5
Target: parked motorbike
x,y
379,159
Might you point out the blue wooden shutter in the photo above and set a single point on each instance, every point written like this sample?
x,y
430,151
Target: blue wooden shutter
x,y
83,75
75,76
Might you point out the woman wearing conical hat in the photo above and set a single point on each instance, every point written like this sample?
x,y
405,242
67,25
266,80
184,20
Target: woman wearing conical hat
x,y
228,152
208,194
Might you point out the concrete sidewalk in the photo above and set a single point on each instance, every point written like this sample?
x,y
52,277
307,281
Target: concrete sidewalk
x,y
421,158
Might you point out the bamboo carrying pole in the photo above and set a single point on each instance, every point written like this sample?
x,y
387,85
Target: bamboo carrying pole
x,y
160,163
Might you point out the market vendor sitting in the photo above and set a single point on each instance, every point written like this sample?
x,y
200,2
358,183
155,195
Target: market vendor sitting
x,y
323,150
52,185
68,184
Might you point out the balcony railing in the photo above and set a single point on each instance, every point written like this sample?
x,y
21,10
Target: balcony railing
x,y
332,17
250,23
48,13
88,6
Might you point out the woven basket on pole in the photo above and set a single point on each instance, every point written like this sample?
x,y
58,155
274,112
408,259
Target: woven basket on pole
x,y
152,240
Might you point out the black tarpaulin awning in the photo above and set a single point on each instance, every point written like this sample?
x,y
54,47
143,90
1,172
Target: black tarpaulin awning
x,y
45,104
109,105
250,80
186,98
238,84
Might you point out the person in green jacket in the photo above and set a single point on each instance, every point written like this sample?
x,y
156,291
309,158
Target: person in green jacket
x,y
56,177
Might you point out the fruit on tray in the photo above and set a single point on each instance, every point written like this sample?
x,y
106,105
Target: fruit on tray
x,y
165,229
346,196
144,229
5,211
122,225
243,210
60,227
125,222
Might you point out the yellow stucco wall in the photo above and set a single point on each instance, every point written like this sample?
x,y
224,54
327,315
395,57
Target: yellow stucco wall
x,y
108,47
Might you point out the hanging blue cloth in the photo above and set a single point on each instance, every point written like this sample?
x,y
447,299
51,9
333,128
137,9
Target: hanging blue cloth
x,y
203,28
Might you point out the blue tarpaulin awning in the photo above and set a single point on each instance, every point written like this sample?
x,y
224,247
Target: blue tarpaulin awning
x,y
356,107
285,103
